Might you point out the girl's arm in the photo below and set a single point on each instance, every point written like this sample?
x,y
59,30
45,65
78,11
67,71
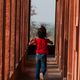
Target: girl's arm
x,y
32,42
49,41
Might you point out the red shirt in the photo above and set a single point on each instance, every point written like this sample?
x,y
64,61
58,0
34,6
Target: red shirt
x,y
41,46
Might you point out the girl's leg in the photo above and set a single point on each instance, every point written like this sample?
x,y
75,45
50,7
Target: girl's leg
x,y
37,68
43,64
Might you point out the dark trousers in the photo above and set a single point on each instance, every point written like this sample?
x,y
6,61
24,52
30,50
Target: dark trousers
x,y
41,60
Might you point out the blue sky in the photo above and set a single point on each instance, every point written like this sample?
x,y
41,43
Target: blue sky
x,y
45,10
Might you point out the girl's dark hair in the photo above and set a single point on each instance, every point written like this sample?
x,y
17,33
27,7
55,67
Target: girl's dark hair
x,y
42,32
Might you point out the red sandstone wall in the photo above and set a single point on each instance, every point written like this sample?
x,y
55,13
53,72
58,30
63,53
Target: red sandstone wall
x,y
14,16
67,38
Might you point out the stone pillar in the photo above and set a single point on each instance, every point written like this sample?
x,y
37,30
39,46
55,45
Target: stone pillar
x,y
17,32
75,42
26,16
57,30
25,7
7,39
26,13
60,34
1,36
71,39
79,46
12,38
79,54
65,36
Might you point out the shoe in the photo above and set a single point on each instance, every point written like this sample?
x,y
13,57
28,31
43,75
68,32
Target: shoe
x,y
41,76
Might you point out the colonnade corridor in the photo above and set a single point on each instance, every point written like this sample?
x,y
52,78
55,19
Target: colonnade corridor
x,y
15,61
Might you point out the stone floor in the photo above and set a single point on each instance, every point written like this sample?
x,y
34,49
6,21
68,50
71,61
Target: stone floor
x,y
29,72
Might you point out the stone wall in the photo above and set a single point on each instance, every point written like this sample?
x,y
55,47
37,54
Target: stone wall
x,y
14,16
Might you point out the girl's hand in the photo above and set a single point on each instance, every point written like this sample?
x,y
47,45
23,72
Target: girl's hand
x,y
49,41
32,42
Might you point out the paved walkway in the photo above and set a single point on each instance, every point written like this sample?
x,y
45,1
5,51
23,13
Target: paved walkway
x,y
29,72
